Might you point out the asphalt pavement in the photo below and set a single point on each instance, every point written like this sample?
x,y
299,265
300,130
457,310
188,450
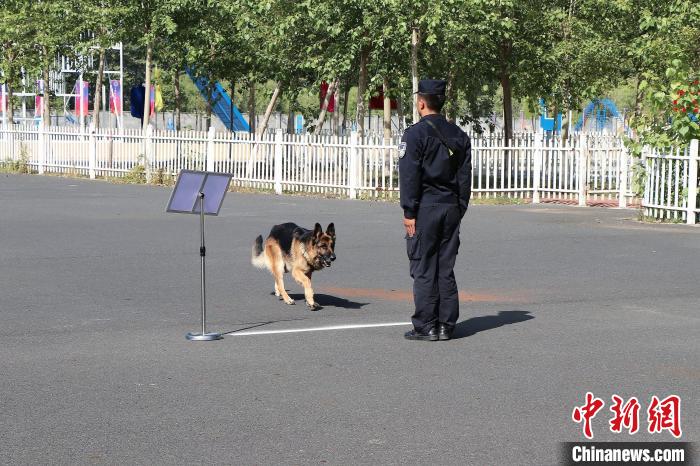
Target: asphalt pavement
x,y
98,287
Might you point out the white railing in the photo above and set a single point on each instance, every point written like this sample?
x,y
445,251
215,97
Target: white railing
x,y
581,170
671,184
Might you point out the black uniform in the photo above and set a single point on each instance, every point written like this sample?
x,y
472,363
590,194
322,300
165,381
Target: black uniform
x,y
435,184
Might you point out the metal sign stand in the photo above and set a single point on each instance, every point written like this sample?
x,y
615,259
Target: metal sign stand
x,y
204,336
200,193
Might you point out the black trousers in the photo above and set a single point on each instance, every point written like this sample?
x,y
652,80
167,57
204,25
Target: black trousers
x,y
432,252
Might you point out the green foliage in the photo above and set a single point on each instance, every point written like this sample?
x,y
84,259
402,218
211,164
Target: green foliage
x,y
566,51
137,175
20,165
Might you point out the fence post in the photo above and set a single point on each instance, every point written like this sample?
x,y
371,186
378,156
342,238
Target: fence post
x,y
148,146
352,166
210,149
624,173
41,162
279,138
92,154
537,169
692,182
582,166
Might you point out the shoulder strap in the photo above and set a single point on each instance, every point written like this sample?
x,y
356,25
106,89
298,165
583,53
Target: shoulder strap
x,y
453,160
441,138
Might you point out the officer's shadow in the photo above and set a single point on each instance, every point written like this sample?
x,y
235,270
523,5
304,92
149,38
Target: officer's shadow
x,y
475,325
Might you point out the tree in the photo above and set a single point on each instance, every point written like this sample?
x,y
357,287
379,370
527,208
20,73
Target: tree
x,y
104,21
16,45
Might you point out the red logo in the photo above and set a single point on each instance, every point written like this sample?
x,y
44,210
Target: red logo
x,y
665,415
626,416
661,415
587,412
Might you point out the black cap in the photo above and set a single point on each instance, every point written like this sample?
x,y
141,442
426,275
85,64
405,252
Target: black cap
x,y
432,86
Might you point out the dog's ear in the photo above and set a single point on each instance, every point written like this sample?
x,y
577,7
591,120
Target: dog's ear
x,y
318,232
330,231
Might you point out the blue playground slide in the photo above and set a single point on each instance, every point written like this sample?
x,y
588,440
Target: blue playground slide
x,y
222,103
600,109
547,124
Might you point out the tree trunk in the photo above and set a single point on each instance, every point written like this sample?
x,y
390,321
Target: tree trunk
x,y
210,98
450,97
10,106
324,107
290,118
147,84
47,98
346,98
268,110
178,99
361,89
505,52
98,89
387,111
251,106
399,108
415,43
231,107
507,107
336,111
638,97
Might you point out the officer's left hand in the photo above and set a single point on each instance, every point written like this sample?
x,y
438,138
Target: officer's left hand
x,y
410,225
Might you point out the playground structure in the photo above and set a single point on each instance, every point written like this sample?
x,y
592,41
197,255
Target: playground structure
x,y
547,123
222,106
62,85
600,115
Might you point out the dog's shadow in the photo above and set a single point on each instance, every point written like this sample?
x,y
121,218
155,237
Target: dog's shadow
x,y
475,325
324,300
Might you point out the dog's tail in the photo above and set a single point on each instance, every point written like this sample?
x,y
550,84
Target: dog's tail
x,y
258,259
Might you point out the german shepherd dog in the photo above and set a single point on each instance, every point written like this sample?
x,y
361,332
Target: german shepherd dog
x,y
291,248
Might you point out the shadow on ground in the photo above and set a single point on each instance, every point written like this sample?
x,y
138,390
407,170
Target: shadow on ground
x,y
475,325
327,300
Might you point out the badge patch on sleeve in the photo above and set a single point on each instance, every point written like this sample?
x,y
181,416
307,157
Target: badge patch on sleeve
x,y
402,149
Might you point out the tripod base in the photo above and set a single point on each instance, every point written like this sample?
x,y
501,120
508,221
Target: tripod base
x,y
203,336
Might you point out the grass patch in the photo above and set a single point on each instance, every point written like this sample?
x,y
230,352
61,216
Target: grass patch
x,y
650,219
21,165
499,200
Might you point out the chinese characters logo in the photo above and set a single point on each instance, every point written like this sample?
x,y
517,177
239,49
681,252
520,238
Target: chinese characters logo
x,y
662,415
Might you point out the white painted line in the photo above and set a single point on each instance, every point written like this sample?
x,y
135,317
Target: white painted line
x,y
316,329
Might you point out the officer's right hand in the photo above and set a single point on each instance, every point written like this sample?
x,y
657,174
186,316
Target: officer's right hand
x,y
410,226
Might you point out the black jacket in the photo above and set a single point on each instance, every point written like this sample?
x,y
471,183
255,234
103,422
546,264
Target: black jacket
x,y
427,172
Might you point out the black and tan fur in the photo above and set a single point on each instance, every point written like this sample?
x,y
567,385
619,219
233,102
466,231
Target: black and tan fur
x,y
291,248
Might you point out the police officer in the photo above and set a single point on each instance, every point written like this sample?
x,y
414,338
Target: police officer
x,y
435,181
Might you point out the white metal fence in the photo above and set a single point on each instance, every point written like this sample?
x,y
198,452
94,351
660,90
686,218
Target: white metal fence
x,y
585,169
671,184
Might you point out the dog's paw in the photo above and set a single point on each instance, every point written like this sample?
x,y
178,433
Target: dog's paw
x,y
291,302
313,306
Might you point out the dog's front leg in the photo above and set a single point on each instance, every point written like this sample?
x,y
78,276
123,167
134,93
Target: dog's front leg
x,y
305,281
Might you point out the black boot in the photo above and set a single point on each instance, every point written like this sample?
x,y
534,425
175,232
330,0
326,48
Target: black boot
x,y
431,335
444,332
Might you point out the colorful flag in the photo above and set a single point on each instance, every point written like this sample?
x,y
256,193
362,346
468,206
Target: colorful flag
x,y
159,98
39,99
376,102
152,102
115,97
331,99
3,98
81,90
